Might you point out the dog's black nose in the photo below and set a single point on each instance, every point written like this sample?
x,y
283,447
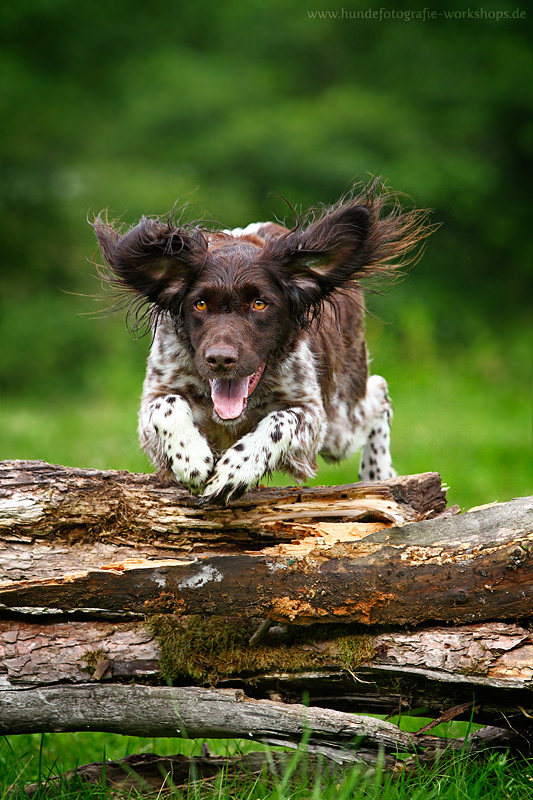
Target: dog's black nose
x,y
221,357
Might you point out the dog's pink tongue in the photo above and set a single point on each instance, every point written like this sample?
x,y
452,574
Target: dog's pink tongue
x,y
229,396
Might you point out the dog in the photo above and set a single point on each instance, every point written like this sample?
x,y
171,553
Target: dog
x,y
258,359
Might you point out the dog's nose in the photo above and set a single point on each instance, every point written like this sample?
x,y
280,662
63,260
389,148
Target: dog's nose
x,y
221,357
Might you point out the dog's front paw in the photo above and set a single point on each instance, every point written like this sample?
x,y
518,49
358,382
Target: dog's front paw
x,y
236,473
184,448
192,468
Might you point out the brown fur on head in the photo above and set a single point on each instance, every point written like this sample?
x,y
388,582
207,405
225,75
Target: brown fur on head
x,y
363,235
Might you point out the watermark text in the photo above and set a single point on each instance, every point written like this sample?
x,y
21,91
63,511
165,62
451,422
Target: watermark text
x,y
423,15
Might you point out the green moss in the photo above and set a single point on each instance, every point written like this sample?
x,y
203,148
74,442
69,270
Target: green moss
x,y
209,649
355,649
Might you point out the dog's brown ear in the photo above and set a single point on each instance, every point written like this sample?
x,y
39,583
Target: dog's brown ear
x,y
351,241
331,250
154,259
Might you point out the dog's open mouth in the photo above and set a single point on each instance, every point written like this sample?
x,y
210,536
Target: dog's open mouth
x,y
230,395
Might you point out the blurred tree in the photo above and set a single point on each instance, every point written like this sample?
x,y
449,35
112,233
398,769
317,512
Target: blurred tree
x,y
134,106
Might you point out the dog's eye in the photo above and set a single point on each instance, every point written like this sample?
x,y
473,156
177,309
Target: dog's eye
x,y
200,305
259,305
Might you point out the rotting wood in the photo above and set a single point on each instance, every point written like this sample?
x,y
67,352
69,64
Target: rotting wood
x,y
465,568
43,502
194,712
391,672
495,655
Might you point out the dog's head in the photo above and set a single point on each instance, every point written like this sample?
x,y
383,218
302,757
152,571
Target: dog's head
x,y
240,300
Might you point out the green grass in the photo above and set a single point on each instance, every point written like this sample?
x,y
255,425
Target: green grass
x,y
34,758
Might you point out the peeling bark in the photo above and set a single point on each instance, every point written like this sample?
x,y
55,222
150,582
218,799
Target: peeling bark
x,y
40,501
462,569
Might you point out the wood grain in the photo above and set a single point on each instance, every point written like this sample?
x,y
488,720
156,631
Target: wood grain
x,y
465,568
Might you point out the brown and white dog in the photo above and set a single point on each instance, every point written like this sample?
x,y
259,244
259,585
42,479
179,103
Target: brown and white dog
x,y
258,360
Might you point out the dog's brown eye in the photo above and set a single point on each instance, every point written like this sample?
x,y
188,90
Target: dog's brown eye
x,y
200,305
259,305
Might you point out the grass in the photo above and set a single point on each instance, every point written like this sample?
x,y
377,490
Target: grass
x,y
36,758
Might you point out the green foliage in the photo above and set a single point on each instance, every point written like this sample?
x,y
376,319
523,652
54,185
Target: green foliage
x,y
453,777
220,106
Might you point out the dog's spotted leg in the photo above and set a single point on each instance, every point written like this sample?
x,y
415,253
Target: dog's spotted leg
x,y
283,438
187,452
376,462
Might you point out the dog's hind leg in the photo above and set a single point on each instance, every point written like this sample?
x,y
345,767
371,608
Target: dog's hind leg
x,y
376,462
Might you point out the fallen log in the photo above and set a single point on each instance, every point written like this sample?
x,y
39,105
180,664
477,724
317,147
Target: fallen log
x,y
344,569
335,666
464,568
191,712
44,502
495,655
194,712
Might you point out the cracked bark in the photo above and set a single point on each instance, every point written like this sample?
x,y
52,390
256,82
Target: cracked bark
x,y
463,568
434,667
383,556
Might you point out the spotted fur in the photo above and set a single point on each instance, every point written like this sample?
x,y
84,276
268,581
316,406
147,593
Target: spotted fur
x,y
258,360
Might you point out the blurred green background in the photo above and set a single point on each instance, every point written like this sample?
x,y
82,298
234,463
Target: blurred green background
x,y
134,106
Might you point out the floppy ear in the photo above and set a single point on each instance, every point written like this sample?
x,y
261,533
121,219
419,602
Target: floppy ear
x,y
154,259
330,252
348,242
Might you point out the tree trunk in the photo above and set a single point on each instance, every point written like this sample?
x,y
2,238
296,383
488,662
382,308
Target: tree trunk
x,y
337,666
347,554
